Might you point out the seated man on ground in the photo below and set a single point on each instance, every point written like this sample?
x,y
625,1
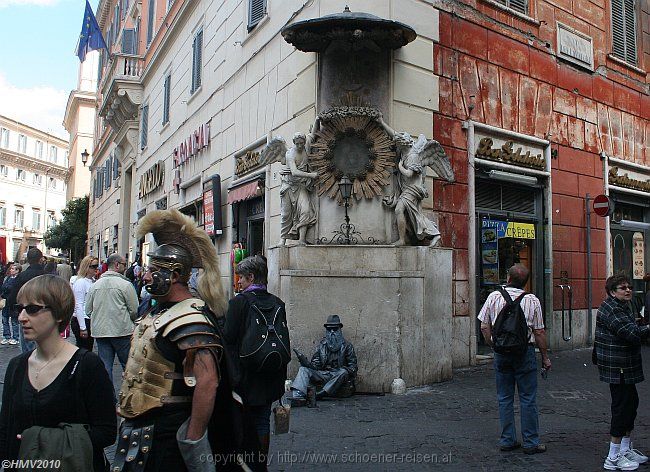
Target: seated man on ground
x,y
333,363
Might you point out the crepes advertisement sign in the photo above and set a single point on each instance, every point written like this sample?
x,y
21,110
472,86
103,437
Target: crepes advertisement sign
x,y
495,229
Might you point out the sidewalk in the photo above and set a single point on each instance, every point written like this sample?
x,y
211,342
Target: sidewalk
x,y
454,426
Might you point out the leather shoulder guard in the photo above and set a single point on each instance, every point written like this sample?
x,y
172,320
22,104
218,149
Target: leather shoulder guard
x,y
194,335
178,315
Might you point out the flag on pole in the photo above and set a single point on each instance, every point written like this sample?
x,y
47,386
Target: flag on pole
x,y
91,37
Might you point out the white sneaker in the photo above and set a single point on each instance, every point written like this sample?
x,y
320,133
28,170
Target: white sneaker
x,y
13,342
636,456
620,462
4,341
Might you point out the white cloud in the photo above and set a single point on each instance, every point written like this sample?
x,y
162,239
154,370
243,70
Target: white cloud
x,y
39,3
40,107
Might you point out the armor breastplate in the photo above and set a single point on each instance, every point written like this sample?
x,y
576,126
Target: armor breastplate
x,y
149,376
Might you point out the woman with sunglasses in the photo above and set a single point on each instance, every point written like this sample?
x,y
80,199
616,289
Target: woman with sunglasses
x,y
80,321
56,382
618,356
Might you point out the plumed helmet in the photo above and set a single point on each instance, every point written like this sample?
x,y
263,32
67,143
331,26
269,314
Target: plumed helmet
x,y
173,257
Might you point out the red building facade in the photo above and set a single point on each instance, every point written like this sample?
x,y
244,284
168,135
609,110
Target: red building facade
x,y
542,103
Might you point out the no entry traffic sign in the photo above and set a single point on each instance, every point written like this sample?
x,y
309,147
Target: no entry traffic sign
x,y
603,206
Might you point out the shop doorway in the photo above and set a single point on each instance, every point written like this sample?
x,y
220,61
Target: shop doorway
x,y
628,249
509,231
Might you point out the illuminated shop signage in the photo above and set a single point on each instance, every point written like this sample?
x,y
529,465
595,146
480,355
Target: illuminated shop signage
x,y
192,146
508,154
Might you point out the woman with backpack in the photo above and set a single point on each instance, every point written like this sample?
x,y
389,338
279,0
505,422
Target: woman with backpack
x,y
261,382
53,384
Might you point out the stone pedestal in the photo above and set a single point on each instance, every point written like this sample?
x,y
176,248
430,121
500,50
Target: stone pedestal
x,y
395,304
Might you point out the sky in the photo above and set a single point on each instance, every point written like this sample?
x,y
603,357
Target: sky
x,y
38,67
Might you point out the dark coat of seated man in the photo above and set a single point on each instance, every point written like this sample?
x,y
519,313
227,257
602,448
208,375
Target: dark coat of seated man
x,y
333,363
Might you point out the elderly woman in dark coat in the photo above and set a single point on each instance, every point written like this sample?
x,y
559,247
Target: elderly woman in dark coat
x,y
618,355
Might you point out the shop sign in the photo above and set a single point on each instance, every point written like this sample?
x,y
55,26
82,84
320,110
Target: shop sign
x,y
506,152
625,180
192,146
247,162
208,212
492,230
638,256
152,179
575,46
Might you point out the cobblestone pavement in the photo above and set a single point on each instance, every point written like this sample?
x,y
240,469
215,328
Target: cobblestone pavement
x,y
453,425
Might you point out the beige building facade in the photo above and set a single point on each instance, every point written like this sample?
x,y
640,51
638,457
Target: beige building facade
x,y
33,172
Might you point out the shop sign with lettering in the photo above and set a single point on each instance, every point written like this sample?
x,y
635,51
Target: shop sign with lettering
x,y
247,162
507,152
629,179
208,212
192,146
153,178
495,229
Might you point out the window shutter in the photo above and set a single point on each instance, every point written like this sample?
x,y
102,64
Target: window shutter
x,y
107,170
624,30
256,11
116,168
151,17
630,32
166,97
519,5
145,124
118,19
128,41
197,59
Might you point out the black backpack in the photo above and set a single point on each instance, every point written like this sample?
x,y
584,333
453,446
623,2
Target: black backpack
x,y
265,346
510,332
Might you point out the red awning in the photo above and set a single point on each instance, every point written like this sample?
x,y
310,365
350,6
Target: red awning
x,y
245,192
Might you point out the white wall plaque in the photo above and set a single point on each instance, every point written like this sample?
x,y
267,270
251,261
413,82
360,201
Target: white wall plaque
x,y
574,46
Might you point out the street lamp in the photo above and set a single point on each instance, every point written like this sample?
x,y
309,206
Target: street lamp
x,y
84,157
345,187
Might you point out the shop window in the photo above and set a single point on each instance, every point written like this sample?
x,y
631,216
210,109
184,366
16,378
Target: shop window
x,y
624,30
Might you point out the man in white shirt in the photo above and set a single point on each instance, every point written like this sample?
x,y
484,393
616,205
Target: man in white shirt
x,y
519,370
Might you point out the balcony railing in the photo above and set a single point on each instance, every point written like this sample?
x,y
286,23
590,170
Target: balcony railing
x,y
122,67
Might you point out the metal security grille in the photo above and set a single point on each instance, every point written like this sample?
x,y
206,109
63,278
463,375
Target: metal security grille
x,y
624,30
497,197
518,5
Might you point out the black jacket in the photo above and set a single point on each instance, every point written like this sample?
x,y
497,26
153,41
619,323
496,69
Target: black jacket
x,y
255,389
347,357
22,278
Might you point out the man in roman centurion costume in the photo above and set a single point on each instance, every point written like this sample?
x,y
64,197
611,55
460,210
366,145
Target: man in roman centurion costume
x,y
176,401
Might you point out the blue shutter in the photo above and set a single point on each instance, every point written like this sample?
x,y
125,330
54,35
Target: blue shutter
x,y
144,126
256,11
166,98
151,17
197,56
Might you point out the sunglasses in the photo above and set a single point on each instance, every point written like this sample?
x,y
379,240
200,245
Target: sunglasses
x,y
94,266
624,287
30,309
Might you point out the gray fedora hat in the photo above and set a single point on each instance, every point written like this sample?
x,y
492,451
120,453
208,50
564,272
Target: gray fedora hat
x,y
333,320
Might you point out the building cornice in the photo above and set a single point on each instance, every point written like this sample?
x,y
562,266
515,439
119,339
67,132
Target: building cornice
x,y
30,163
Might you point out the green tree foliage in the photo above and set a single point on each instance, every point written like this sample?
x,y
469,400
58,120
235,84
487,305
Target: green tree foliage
x,y
70,234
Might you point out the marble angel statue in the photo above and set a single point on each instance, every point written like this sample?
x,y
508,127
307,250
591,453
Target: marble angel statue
x,y
297,212
413,156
